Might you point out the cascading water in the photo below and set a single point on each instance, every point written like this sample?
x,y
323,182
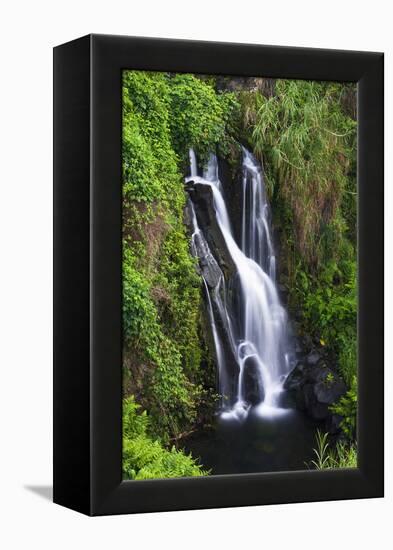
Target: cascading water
x,y
256,240
253,320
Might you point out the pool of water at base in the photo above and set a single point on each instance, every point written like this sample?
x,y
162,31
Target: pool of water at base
x,y
259,444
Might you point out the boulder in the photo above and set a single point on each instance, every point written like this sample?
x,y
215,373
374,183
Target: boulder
x,y
314,388
313,357
298,347
253,388
328,392
295,378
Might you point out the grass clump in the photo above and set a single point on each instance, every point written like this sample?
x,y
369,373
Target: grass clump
x,y
341,456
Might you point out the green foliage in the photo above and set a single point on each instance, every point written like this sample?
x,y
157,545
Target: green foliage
x,y
149,161
346,456
306,139
342,456
321,452
308,142
163,115
305,133
159,346
139,311
347,356
329,307
347,408
145,458
200,116
170,394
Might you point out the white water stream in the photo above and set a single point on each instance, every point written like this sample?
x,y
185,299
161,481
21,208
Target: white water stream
x,y
255,323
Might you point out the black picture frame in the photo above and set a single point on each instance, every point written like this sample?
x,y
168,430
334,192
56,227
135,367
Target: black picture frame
x,y
87,275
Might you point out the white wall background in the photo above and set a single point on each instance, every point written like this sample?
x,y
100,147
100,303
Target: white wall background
x,y
28,31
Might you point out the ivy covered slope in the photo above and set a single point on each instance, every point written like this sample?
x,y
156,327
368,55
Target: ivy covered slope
x,y
167,368
305,134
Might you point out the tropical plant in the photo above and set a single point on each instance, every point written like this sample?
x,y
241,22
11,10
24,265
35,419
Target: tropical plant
x,y
145,458
342,455
346,407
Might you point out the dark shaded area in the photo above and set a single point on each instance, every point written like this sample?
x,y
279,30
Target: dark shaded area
x,y
256,445
240,84
315,387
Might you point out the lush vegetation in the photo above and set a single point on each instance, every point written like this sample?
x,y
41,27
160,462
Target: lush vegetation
x,y
305,135
163,115
144,458
342,455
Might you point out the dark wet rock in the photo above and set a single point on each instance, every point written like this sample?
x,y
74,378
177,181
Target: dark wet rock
x,y
334,424
313,358
319,411
283,292
328,392
295,379
231,180
202,198
286,400
306,342
318,373
298,347
315,388
308,396
207,264
253,389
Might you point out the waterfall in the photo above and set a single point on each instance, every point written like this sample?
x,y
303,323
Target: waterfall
x,y
253,319
193,163
256,240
